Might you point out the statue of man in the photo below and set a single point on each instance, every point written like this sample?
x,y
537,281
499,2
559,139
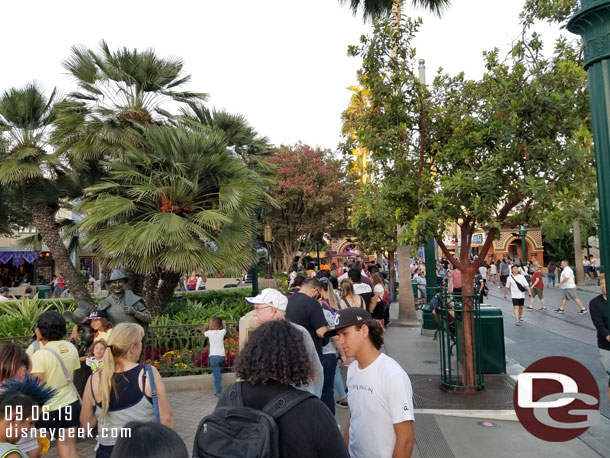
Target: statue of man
x,y
122,305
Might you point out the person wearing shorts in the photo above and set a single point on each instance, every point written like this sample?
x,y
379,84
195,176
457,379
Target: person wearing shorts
x,y
568,284
537,289
513,282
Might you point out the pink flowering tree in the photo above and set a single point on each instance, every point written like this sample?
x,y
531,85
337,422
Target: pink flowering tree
x,y
312,199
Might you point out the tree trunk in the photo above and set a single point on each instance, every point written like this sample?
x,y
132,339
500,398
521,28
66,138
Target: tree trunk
x,y
468,336
580,272
44,220
406,302
159,293
136,281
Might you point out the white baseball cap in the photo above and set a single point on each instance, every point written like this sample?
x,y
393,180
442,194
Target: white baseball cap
x,y
271,297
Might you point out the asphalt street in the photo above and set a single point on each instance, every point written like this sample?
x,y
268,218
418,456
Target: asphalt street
x,y
548,333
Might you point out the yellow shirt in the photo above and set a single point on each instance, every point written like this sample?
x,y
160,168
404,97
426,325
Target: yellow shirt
x,y
103,335
44,362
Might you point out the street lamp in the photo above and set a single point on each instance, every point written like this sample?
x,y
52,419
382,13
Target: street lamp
x,y
523,232
591,23
268,236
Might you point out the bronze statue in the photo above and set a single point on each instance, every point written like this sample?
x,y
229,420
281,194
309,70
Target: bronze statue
x,y
122,305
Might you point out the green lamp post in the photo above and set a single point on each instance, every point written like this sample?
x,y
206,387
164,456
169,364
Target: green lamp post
x,y
592,22
430,258
523,232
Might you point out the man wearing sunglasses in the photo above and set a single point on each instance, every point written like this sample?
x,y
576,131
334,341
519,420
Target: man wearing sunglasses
x,y
270,305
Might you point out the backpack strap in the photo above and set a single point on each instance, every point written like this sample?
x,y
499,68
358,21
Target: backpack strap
x,y
153,390
283,402
234,395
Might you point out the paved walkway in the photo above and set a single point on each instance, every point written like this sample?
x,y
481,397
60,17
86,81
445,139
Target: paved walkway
x,y
445,431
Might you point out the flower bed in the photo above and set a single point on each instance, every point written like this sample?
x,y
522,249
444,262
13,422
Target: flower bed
x,y
182,350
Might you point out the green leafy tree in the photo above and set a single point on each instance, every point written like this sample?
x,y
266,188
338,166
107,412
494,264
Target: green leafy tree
x,y
30,169
374,223
484,154
312,198
182,202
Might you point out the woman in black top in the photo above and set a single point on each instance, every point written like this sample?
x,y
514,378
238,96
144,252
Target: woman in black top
x,y
273,360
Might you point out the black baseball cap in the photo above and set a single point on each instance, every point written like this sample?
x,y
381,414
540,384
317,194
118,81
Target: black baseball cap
x,y
98,314
348,317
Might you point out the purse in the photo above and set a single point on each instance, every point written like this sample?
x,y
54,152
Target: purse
x,y
519,285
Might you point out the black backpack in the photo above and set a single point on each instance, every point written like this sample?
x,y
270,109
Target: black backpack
x,y
238,431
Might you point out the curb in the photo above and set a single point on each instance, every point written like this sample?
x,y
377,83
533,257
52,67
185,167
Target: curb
x,y
195,382
500,415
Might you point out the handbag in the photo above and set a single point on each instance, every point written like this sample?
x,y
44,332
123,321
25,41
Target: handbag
x,y
519,285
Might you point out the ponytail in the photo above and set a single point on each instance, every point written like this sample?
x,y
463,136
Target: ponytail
x,y
123,336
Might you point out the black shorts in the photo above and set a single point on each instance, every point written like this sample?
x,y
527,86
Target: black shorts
x,y
66,417
518,302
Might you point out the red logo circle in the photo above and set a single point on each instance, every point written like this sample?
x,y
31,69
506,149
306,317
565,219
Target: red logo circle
x,y
556,399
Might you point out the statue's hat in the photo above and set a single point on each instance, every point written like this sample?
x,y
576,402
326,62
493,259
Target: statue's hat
x,y
117,274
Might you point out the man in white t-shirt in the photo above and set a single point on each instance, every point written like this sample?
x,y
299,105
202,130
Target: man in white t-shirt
x,y
567,283
518,285
379,394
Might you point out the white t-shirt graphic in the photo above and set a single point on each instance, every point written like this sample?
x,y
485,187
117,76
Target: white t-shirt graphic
x,y
379,396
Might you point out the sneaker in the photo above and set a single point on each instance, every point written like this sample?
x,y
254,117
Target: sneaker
x,y
217,394
560,311
520,319
530,307
517,323
544,309
342,403
583,311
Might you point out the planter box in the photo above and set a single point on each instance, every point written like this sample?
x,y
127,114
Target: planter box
x,y
202,382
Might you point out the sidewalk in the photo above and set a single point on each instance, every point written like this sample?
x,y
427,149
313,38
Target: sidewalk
x,y
446,426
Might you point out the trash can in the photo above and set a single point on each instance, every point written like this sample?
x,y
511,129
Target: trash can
x,y
491,354
414,286
493,351
428,325
43,291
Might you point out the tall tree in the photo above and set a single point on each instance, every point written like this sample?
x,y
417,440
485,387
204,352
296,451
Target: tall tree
x,y
495,150
379,9
182,202
120,93
26,115
312,198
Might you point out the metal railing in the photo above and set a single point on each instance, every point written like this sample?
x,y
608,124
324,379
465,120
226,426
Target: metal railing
x,y
459,327
174,350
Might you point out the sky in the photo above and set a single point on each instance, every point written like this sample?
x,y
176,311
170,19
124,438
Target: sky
x,y
282,64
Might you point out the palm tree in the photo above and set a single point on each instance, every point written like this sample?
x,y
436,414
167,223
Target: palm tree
x,y
119,93
241,137
184,201
377,9
25,118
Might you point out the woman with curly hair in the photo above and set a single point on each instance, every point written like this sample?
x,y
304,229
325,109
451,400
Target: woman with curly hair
x,y
273,360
